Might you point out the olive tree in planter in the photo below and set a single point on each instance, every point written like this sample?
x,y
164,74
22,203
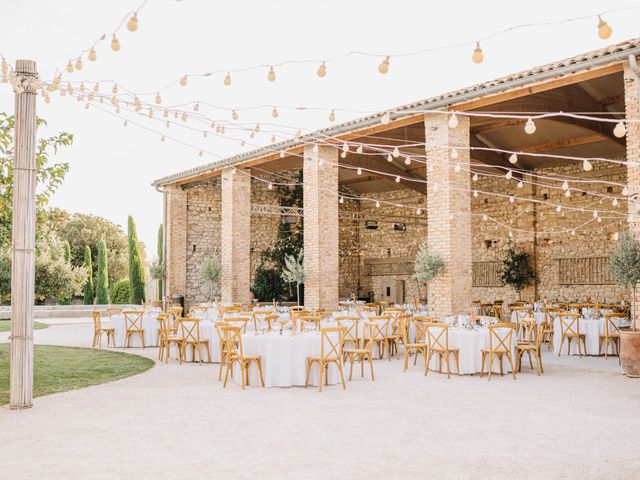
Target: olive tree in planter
x,y
211,272
624,267
516,269
293,271
427,266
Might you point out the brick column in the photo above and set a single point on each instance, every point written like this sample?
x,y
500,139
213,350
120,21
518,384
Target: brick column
x,y
176,238
448,215
632,109
235,236
321,266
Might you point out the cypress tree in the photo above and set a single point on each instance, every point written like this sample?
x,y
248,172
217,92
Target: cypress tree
x,y
160,258
136,270
88,287
102,282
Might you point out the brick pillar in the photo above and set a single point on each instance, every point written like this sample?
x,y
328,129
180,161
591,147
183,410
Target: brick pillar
x,y
448,215
176,238
321,267
235,236
632,109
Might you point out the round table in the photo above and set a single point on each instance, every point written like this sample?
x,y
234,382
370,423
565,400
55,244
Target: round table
x,y
149,326
207,332
284,359
592,328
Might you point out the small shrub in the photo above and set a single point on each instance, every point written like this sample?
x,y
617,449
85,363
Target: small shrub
x,y
120,292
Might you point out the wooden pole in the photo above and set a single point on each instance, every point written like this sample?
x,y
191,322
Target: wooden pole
x,y
23,237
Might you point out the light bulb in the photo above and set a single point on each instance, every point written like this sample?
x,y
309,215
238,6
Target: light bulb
x,y
92,55
125,123
332,116
407,160
271,76
183,81
196,106
573,232
322,70
183,117
234,115
509,175
475,193
114,90
359,171
115,43
558,208
520,184
396,152
615,202
227,79
454,153
132,24
397,179
619,130
513,158
567,193
270,186
377,204
165,114
511,199
565,185
200,153
158,98
162,138
595,214
384,66
257,129
625,191
78,64
453,120
457,168
82,86
478,55
341,198
385,118
359,149
510,234
274,112
475,177
150,114
586,165
345,147
69,68
418,211
343,155
604,29
530,127
485,217
389,158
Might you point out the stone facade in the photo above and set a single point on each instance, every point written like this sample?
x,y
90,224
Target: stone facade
x,y
176,240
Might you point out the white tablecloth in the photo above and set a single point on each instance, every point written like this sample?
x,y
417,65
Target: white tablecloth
x,y
470,343
207,332
284,359
592,329
149,324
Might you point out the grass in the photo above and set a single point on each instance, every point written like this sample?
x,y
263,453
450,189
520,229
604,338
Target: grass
x,y
5,325
58,369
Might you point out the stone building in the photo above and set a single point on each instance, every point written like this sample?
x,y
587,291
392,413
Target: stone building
x,y
418,177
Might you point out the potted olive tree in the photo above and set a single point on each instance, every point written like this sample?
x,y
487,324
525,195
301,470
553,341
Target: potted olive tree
x,y
211,272
293,271
516,269
624,267
428,265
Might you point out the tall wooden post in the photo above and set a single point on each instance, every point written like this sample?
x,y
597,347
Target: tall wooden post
x,y
23,238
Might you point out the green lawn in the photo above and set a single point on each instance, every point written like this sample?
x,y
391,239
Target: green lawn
x,y
58,369
5,325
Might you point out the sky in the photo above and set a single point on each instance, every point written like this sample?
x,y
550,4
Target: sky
x,y
112,166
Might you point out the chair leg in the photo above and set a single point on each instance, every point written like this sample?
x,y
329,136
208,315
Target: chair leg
x,y
457,355
208,352
513,372
350,366
321,368
371,366
259,362
501,369
448,369
490,364
406,358
361,358
344,387
226,375
561,344
482,364
306,381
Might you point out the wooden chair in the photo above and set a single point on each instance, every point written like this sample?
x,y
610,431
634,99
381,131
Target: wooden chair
x,y
166,338
361,354
133,324
330,352
351,330
310,321
218,327
486,309
373,307
419,346
240,322
438,344
193,312
550,314
232,353
527,329
111,311
497,311
190,334
500,342
534,347
99,330
251,316
175,314
395,335
611,335
271,319
522,313
383,328
570,330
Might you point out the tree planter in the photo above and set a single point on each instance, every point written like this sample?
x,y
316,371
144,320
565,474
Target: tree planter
x,y
630,353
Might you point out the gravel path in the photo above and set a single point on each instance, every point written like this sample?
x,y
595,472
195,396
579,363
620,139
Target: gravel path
x,y
579,420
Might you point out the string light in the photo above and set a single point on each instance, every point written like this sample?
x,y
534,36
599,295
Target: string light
x,y
453,120
565,185
115,43
377,204
586,165
384,66
341,198
407,160
270,186
227,79
359,149
418,211
530,127
508,175
520,184
183,81
132,24
78,64
322,70
332,116
359,171
620,130
604,29
69,67
454,153
196,107
389,158
478,55
274,112
234,115
93,56
513,159
457,168
271,76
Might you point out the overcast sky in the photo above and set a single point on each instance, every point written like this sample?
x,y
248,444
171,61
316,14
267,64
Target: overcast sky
x,y
112,166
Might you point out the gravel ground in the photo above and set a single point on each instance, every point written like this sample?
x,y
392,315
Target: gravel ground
x,y
578,420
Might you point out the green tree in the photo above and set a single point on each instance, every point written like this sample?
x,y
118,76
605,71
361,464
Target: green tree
x,y
120,292
88,286
49,176
293,271
102,282
268,284
136,268
161,260
211,272
80,230
67,259
624,267
427,266
516,269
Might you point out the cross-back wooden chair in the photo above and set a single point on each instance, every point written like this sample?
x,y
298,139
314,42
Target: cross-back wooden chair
x,y
399,323
351,330
271,319
610,334
438,344
382,329
133,326
486,309
218,326
232,352
497,311
419,346
240,322
231,309
111,311
534,346
198,310
310,321
363,353
550,314
175,314
522,313
166,337
570,330
99,329
330,353
527,329
250,315
500,343
190,334
373,307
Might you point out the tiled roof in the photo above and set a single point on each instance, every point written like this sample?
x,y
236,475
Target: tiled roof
x,y
578,63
